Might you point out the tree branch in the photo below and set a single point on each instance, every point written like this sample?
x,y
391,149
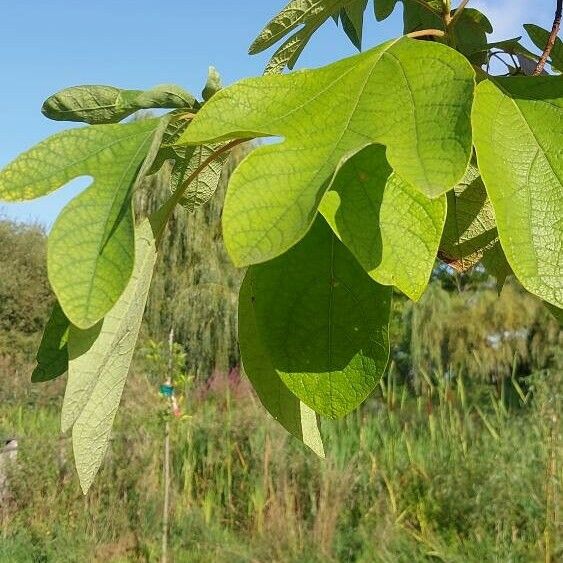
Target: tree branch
x,y
551,39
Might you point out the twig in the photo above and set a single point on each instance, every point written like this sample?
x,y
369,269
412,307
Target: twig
x,y
551,39
458,12
426,33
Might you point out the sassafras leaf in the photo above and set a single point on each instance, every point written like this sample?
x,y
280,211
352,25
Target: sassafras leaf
x,y
323,322
408,95
308,15
470,224
96,104
518,127
52,356
91,245
104,363
539,37
296,417
391,228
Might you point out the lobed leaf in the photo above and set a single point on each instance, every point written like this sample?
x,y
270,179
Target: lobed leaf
x,y
323,322
98,104
309,15
91,246
296,417
392,229
408,95
104,363
517,123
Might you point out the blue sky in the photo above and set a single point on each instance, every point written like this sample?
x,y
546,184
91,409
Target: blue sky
x,y
46,46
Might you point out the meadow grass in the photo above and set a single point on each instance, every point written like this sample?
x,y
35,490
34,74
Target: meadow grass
x,y
454,473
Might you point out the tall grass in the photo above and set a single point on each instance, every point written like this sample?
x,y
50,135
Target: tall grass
x,y
450,473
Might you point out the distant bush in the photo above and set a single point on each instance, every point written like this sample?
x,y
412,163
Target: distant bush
x,y
475,333
25,296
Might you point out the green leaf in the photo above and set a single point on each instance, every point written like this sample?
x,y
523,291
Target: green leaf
x,y
200,190
540,37
470,224
323,321
104,364
390,95
213,84
471,35
416,15
308,15
97,104
384,8
296,417
84,357
87,151
470,31
495,264
352,16
52,356
517,125
91,245
512,47
392,229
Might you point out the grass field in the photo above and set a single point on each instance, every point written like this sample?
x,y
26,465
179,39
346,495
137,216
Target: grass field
x,y
455,473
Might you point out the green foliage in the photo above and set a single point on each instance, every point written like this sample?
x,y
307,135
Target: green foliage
x,y
379,143
499,337
539,37
408,476
470,229
25,296
309,15
514,122
391,228
281,403
390,99
105,364
323,322
91,251
105,104
52,355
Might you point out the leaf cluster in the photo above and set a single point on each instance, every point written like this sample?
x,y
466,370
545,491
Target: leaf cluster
x,y
384,161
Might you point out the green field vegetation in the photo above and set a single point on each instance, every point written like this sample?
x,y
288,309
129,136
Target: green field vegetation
x,y
457,457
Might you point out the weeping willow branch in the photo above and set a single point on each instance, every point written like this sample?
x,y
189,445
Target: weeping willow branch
x,y
551,39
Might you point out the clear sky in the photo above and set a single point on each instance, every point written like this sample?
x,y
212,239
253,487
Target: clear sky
x,y
49,45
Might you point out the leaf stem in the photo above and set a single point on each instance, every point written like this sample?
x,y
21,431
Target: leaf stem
x,y
551,39
426,33
160,217
447,12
